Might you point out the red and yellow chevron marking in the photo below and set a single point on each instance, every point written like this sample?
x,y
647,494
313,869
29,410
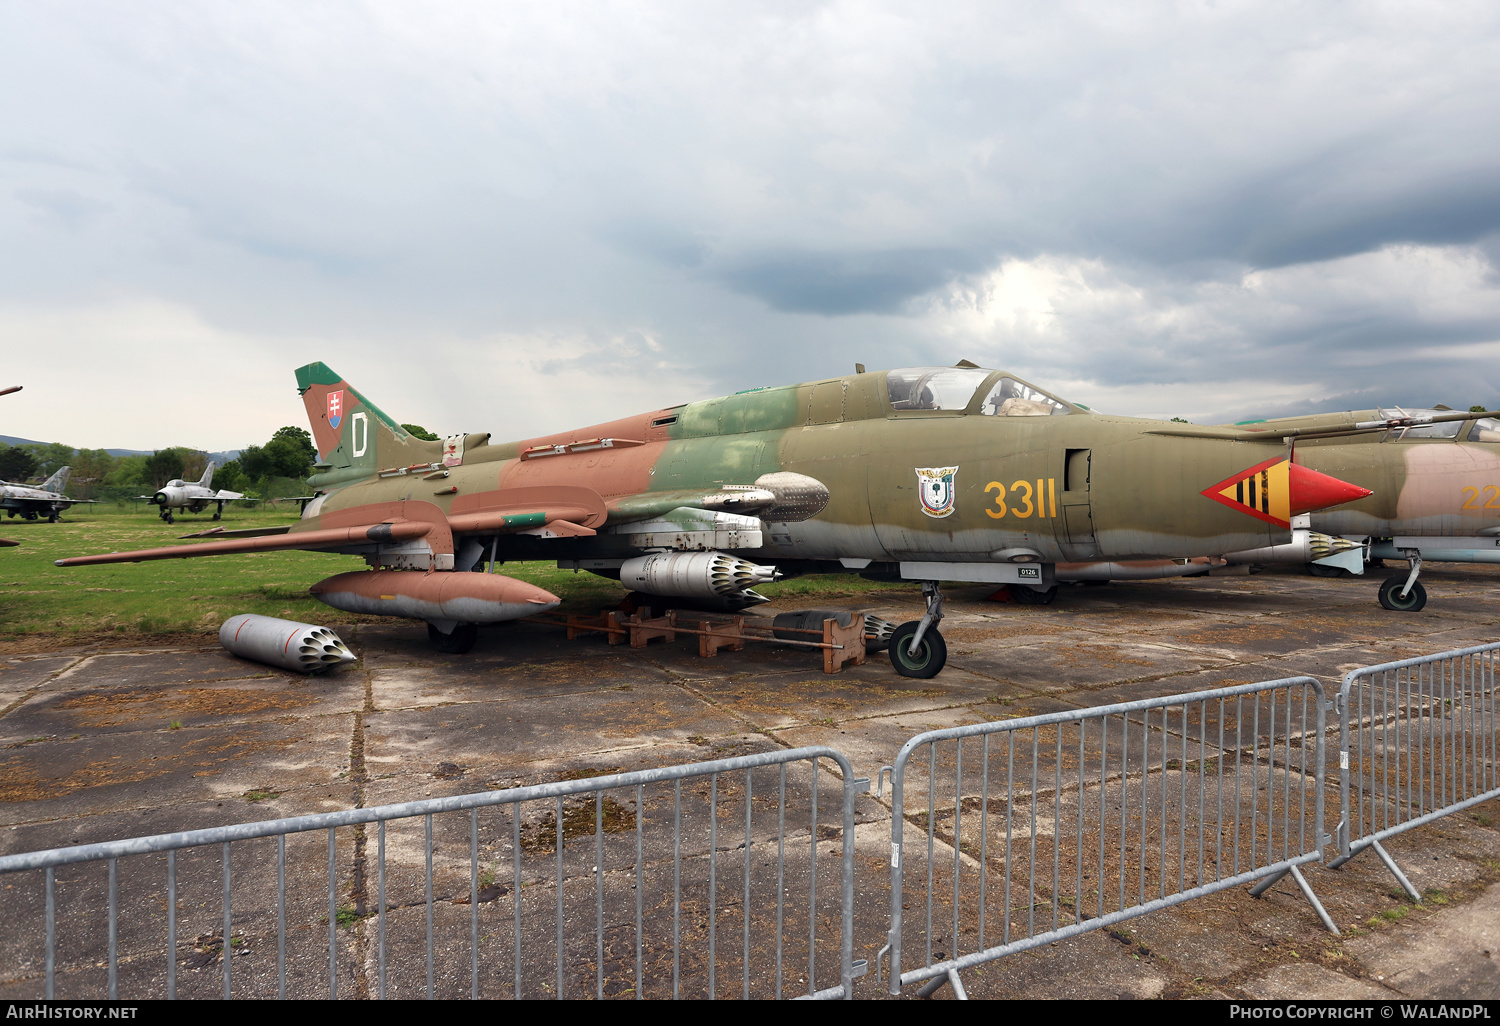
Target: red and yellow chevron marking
x,y
1278,489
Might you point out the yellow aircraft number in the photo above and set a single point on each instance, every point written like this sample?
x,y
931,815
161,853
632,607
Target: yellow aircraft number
x,y
1473,502
1036,501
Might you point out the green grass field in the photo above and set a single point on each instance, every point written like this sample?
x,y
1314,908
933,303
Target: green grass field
x,y
42,605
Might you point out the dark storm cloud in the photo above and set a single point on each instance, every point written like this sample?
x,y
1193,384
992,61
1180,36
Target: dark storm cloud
x,y
880,281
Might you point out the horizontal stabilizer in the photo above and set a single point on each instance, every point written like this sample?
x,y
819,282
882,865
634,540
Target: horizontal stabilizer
x,y
327,538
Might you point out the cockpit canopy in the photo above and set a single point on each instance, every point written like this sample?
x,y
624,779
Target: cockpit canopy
x,y
958,389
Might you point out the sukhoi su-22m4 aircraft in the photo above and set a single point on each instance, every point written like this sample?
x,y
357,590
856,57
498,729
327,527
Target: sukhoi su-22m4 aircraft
x,y
925,474
1434,478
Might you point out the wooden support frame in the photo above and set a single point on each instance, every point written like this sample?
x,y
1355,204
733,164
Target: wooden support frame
x,y
728,634
845,645
644,630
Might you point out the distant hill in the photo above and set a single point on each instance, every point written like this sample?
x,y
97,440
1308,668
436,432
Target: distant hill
x,y
220,458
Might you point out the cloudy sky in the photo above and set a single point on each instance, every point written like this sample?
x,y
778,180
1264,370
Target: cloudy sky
x,y
522,217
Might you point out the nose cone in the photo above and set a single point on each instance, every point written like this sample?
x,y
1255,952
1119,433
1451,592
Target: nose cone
x,y
1278,489
1311,491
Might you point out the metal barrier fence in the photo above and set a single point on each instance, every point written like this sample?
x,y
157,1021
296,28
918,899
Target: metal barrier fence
x,y
1072,821
1416,742
696,880
664,882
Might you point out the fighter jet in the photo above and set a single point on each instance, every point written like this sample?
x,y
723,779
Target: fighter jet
x,y
925,474
45,499
1434,475
191,498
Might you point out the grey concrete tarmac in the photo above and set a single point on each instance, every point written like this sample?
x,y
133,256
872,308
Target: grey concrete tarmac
x,y
98,744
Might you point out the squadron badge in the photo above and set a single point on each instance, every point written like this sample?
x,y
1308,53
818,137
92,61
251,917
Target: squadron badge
x,y
935,486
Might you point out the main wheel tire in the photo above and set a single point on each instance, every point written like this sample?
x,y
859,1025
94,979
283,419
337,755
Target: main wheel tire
x,y
1390,595
460,641
218,516
1323,570
1029,596
931,657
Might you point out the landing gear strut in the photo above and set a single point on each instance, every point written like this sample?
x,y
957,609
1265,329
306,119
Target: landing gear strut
x,y
1404,594
456,642
219,513
917,649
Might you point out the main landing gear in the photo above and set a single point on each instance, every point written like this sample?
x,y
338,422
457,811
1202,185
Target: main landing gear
x,y
219,513
1404,594
917,649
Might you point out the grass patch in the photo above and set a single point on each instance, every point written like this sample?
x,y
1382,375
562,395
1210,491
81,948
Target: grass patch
x,y
42,604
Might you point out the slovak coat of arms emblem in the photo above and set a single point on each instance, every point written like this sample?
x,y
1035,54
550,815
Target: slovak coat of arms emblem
x,y
935,486
335,408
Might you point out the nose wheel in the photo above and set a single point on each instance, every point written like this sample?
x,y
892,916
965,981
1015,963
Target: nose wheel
x,y
917,649
1404,594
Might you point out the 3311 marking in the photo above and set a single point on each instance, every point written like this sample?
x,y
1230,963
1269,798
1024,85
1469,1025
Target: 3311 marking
x,y
1039,501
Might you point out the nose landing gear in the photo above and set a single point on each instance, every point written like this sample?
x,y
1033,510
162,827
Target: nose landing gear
x,y
917,649
1404,594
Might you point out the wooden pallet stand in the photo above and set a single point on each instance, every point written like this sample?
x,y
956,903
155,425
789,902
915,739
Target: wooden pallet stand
x,y
852,638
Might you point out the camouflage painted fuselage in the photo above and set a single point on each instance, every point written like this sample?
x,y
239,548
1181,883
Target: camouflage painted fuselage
x,y
1072,485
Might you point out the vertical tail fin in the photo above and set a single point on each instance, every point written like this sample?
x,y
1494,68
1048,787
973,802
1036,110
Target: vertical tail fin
x,y
58,481
354,437
207,480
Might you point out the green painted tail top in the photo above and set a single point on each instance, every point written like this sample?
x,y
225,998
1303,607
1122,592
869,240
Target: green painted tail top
x,y
355,438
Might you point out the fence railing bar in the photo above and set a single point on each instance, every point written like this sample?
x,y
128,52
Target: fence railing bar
x,y
713,882
333,917
1056,824
172,933
226,949
474,904
598,895
780,873
51,932
379,907
114,928
640,818
515,875
745,943
427,905
984,830
812,890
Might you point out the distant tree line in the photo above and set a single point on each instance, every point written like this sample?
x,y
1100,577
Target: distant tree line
x,y
279,467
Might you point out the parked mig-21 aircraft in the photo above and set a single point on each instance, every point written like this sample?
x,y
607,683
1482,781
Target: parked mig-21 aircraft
x,y
191,498
46,499
926,474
